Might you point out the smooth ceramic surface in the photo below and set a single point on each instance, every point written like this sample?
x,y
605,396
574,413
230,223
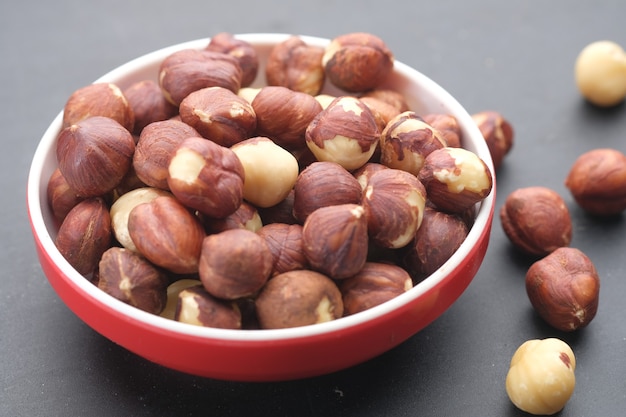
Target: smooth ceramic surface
x,y
262,355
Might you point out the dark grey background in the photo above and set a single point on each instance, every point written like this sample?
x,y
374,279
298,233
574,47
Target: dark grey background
x,y
514,57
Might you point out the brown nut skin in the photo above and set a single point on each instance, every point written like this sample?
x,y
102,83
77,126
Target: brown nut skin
x,y
61,198
94,155
298,298
438,237
207,177
323,184
284,115
245,217
279,213
156,145
564,289
188,70
498,133
242,51
407,140
455,179
335,241
364,173
285,243
597,181
345,132
85,234
394,202
297,66
148,104
167,234
447,125
121,208
99,99
130,278
383,112
375,284
536,220
234,264
357,61
196,306
219,114
391,97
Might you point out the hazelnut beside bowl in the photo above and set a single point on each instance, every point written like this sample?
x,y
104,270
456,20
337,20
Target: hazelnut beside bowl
x,y
273,354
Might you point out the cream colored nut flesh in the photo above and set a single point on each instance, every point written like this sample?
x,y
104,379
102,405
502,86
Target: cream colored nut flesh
x,y
600,73
541,377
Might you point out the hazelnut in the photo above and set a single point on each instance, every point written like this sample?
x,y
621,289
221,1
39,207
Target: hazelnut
x,y
242,51
383,112
374,284
121,208
155,148
298,298
600,73
279,213
245,217
597,181
285,244
498,134
406,141
283,115
148,104
61,198
536,220
345,132
235,263
334,240
94,155
169,312
455,179
391,97
436,240
323,184
219,114
248,93
207,177
564,288
364,173
99,99
188,70
295,65
167,234
357,61
448,127
85,234
270,171
541,377
196,306
394,203
130,278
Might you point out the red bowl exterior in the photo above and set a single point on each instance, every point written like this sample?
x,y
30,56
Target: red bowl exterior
x,y
268,360
284,354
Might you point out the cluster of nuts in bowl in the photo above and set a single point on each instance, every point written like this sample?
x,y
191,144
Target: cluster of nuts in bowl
x,y
210,202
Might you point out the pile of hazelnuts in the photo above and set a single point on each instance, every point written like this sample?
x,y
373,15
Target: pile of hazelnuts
x,y
211,202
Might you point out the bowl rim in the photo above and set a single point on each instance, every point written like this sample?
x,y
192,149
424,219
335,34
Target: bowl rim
x,y
36,198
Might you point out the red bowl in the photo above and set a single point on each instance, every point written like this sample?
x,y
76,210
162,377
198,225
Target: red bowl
x,y
263,355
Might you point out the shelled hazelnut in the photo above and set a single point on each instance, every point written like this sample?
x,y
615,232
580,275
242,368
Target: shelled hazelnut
x,y
406,141
132,279
196,306
497,132
94,155
447,125
298,298
541,376
536,220
564,289
600,73
148,104
242,51
597,181
297,66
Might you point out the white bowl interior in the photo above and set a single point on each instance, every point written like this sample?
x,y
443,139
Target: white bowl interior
x,y
423,95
